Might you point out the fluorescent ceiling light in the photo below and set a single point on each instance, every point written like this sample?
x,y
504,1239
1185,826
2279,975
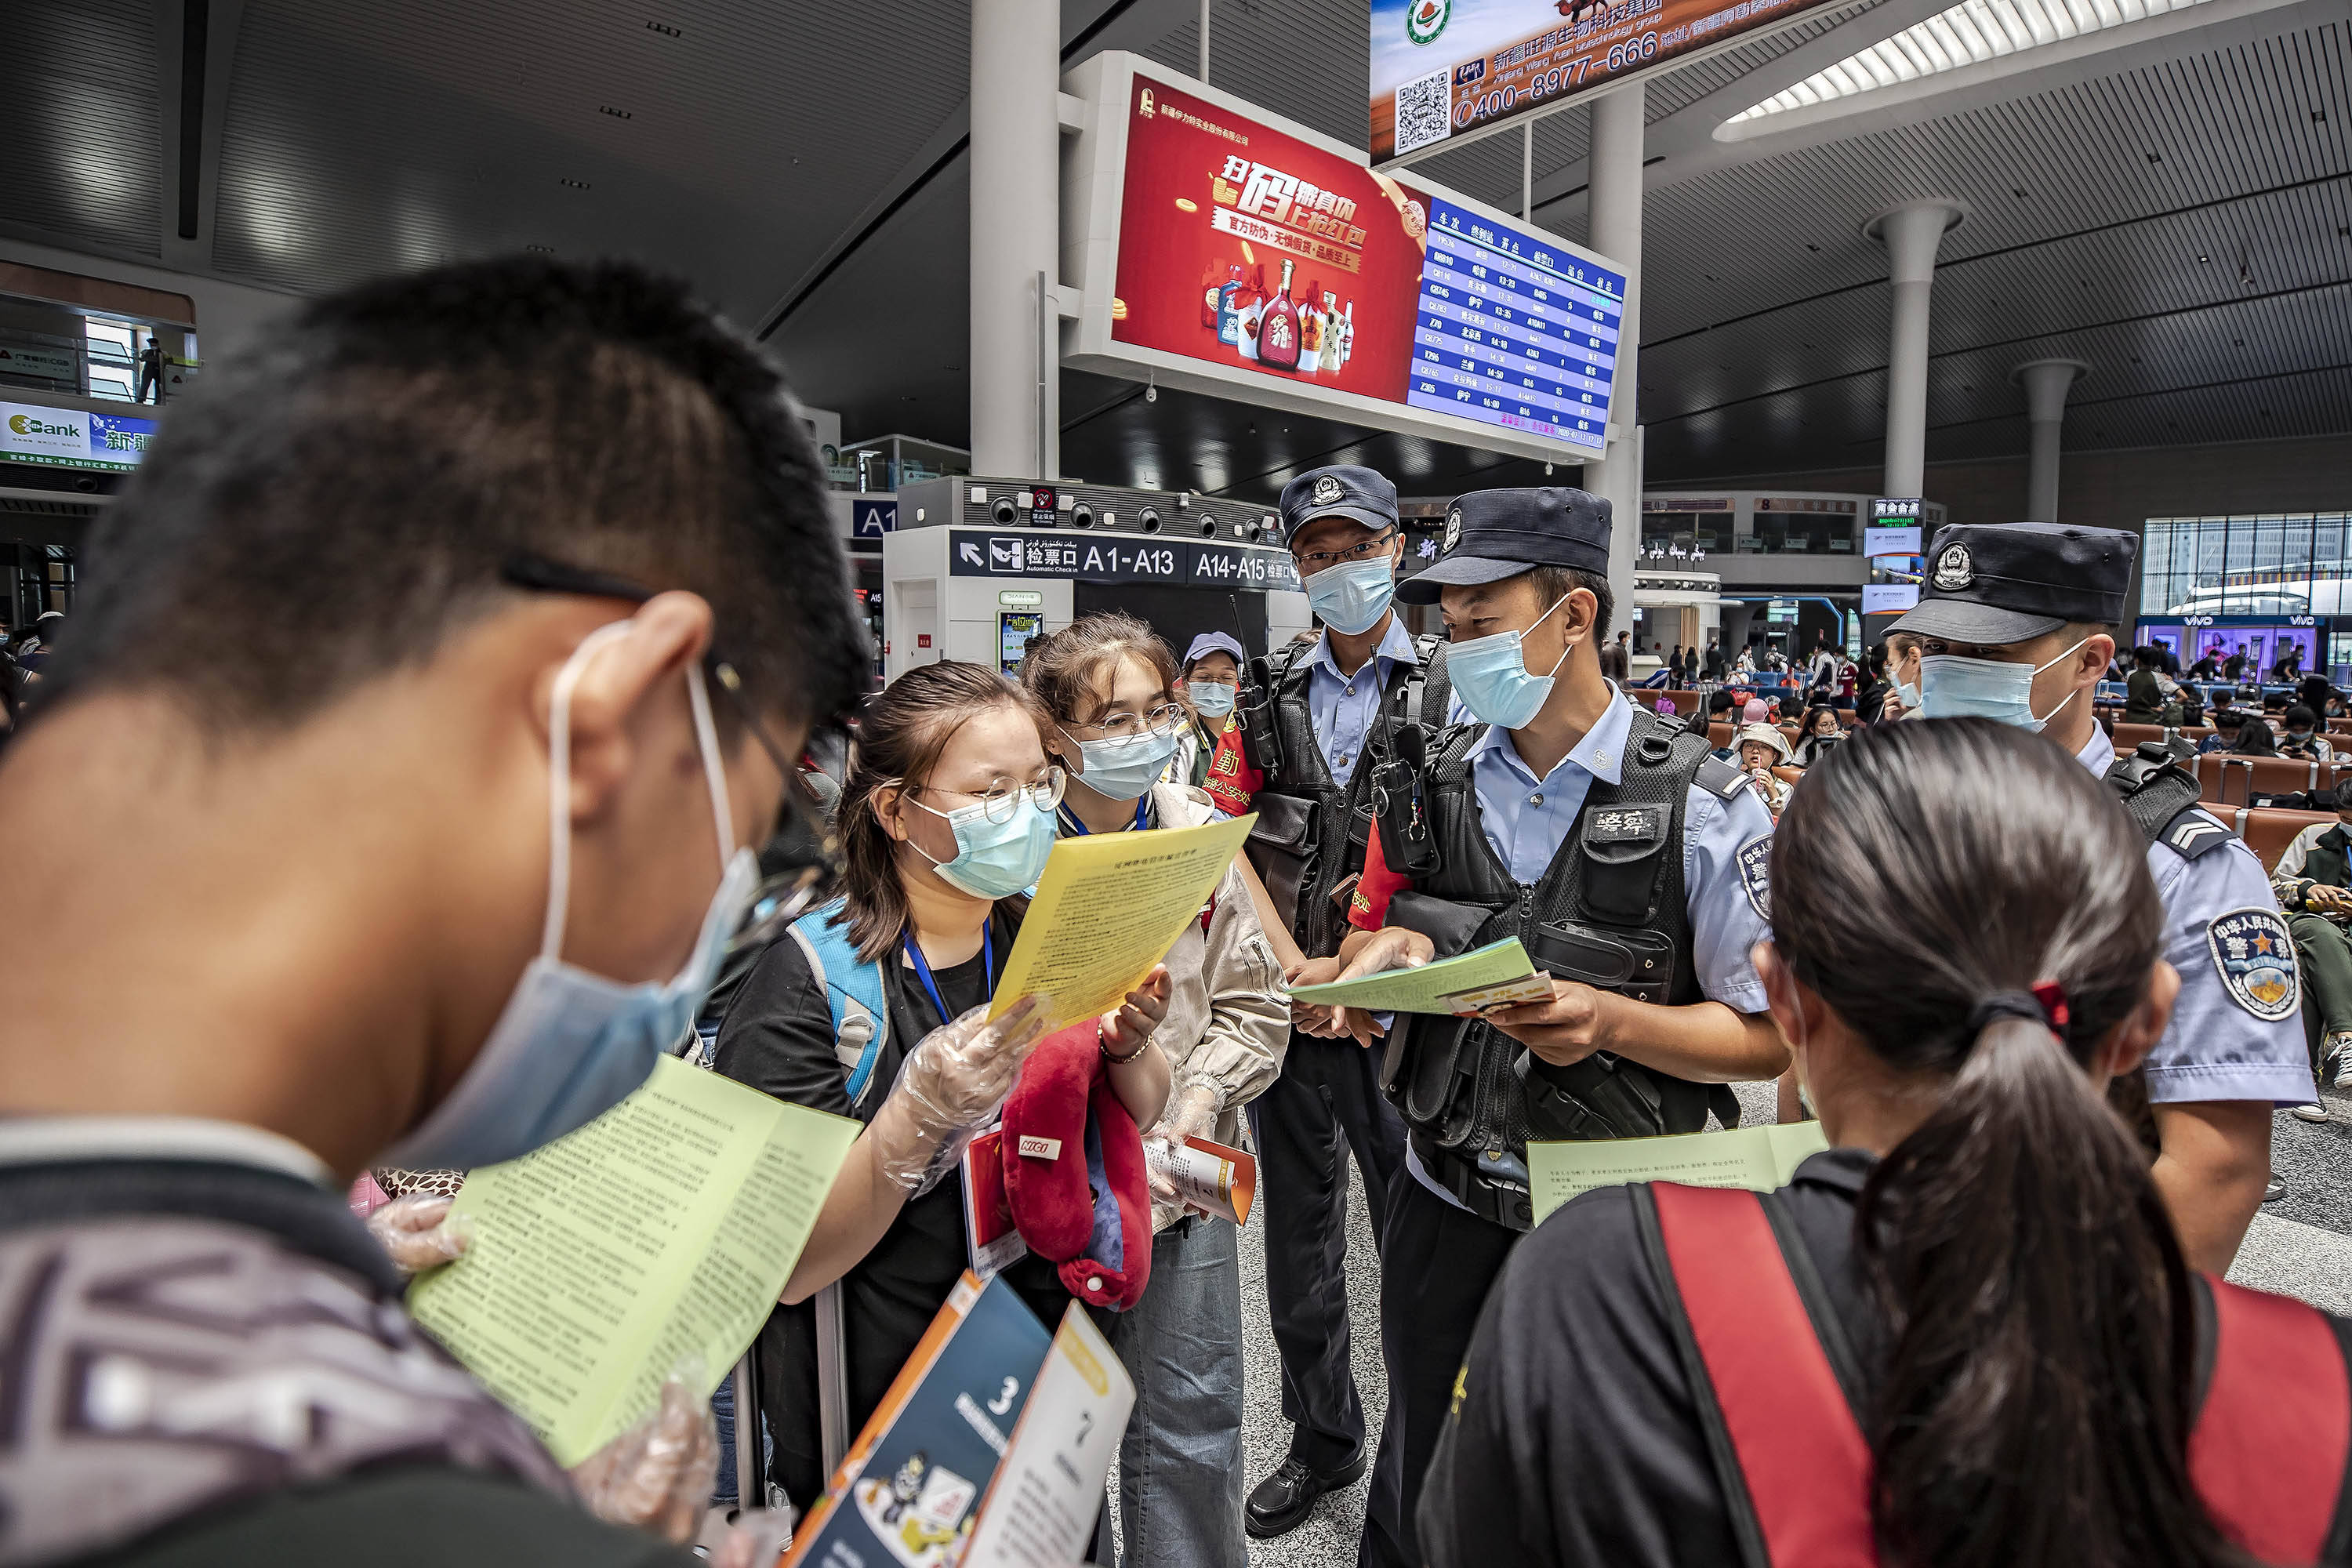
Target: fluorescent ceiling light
x,y
1971,33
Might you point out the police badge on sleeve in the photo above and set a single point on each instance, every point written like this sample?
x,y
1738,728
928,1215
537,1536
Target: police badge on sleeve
x,y
1756,876
2255,958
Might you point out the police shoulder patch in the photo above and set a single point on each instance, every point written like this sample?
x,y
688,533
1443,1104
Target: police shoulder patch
x,y
2254,956
1756,875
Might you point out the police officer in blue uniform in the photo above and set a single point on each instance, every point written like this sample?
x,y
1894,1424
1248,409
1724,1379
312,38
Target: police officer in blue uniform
x,y
1309,717
1632,866
2017,622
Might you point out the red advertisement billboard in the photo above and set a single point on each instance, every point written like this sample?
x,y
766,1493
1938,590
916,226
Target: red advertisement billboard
x,y
1217,208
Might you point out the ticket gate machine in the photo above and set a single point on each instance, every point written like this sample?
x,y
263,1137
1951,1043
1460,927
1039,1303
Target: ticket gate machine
x,y
977,567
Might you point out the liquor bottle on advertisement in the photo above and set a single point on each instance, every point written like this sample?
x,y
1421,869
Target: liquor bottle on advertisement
x,y
1212,282
1348,334
1277,333
1310,329
1229,316
1251,306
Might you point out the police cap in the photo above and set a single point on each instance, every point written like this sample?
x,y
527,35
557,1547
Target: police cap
x,y
1359,494
1494,534
1997,583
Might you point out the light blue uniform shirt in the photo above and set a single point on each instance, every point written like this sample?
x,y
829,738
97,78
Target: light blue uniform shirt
x,y
1725,846
1344,707
2220,1044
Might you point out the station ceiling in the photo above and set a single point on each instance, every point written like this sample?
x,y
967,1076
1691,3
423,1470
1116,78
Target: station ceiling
x,y
2174,209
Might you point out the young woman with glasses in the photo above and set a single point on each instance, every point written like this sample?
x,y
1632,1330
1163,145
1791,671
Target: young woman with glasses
x,y
945,820
1106,684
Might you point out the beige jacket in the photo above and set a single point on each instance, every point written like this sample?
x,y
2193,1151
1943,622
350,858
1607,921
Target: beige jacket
x,y
1228,1017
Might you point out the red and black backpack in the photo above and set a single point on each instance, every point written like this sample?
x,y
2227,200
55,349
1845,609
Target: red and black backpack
x,y
1757,1335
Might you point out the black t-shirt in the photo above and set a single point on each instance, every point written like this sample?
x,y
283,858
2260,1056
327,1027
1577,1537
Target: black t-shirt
x,y
1575,1438
777,1036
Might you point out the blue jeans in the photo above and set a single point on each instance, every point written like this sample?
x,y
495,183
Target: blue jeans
x,y
1179,1464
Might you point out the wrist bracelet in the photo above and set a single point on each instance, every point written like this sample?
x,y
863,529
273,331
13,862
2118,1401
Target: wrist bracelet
x,y
1102,1043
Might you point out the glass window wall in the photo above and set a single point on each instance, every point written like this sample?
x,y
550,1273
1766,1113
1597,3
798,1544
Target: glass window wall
x,y
2290,563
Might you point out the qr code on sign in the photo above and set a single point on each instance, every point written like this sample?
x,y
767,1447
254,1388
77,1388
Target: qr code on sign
x,y
1424,111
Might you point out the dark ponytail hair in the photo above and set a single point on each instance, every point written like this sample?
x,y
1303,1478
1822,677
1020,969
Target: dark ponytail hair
x,y
899,740
2039,1379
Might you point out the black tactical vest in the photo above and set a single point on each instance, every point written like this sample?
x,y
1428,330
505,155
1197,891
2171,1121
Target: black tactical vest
x,y
1311,834
1610,911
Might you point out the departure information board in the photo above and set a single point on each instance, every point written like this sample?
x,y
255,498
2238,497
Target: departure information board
x,y
1513,332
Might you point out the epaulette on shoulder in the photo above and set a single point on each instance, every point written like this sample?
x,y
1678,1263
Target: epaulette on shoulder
x,y
1718,777
2193,831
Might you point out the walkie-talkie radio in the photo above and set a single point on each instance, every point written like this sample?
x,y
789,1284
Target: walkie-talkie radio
x,y
1400,805
1261,736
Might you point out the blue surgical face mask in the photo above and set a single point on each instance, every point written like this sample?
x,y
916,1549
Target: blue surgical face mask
x,y
1211,699
1906,696
993,860
1124,767
1952,687
1490,675
571,1045
1352,596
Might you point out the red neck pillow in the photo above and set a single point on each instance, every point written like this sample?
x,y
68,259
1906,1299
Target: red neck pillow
x,y
1074,1175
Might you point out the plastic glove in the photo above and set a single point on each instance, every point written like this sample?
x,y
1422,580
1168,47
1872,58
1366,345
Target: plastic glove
x,y
1192,1111
658,1474
755,1540
952,1085
417,1233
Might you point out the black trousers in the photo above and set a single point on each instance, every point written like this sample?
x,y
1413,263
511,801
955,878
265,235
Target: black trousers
x,y
1327,1103
1437,1264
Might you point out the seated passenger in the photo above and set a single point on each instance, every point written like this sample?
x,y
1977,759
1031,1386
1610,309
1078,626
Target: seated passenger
x,y
2316,890
2255,739
1762,748
1966,1333
2301,738
1817,734
946,818
2224,738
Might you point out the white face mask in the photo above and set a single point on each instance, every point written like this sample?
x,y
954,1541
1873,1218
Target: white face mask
x,y
571,1045
1953,686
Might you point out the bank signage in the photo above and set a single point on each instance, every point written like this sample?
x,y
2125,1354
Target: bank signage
x,y
71,437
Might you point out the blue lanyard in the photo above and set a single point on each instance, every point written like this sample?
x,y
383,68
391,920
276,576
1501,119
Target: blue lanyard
x,y
1070,818
922,969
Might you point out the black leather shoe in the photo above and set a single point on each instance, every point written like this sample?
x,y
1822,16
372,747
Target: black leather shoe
x,y
1281,1502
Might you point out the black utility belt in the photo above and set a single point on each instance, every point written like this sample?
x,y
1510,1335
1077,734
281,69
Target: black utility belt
x,y
1494,1187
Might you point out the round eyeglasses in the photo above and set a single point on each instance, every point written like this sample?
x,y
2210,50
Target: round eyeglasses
x,y
1123,725
998,801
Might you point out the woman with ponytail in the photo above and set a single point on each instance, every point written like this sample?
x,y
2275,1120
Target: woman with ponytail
x,y
1964,1336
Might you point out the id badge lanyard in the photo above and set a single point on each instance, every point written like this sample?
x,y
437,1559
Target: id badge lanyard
x,y
923,969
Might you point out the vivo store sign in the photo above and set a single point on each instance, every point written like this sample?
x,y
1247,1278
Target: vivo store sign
x,y
1228,252
71,437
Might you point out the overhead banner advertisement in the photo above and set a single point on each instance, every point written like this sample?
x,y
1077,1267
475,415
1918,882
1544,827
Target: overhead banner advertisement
x,y
69,437
1451,69
1282,270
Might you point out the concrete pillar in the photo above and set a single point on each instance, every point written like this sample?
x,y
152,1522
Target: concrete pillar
x,y
2045,382
1616,233
1015,236
1911,234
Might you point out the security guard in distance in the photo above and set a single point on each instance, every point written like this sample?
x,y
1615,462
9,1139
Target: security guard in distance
x,y
1631,863
2016,622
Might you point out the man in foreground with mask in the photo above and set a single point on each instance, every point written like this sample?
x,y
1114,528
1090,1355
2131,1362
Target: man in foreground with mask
x,y
1630,863
2016,622
543,599
1332,702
